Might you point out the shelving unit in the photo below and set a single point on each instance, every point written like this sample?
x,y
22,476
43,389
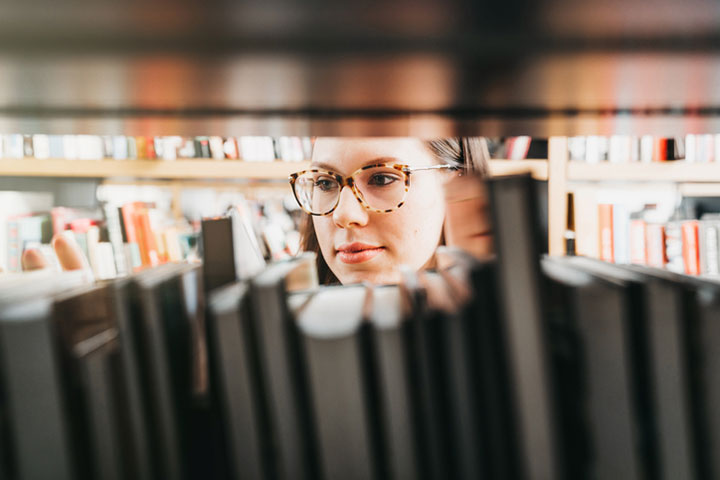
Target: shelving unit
x,y
201,169
694,179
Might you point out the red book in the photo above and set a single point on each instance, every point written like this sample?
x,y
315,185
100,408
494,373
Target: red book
x,y
638,253
655,245
605,229
691,252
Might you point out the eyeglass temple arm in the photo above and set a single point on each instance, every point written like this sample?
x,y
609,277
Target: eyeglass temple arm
x,y
434,167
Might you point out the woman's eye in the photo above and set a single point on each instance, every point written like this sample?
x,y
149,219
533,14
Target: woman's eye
x,y
324,184
382,179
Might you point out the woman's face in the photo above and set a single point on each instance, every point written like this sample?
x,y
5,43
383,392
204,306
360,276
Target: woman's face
x,y
362,245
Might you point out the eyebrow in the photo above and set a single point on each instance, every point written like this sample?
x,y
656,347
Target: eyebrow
x,y
369,162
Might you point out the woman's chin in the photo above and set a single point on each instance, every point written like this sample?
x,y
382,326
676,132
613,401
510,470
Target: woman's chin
x,y
367,276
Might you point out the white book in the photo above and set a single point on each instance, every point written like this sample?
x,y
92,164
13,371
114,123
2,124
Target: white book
x,y
691,148
634,149
576,148
70,146
646,149
90,147
41,146
13,146
619,151
708,141
170,147
621,233
105,261
216,148
716,144
120,147
593,153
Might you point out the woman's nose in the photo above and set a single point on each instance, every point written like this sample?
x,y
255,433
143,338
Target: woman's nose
x,y
349,211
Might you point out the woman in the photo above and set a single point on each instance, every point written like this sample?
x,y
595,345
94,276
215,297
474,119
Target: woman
x,y
375,204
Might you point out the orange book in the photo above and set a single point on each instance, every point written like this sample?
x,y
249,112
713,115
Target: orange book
x,y
128,221
659,149
605,228
146,238
691,250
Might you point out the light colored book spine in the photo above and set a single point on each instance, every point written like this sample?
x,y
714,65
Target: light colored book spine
x,y
646,149
41,146
621,233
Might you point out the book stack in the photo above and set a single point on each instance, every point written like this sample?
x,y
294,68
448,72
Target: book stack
x,y
121,147
628,149
514,366
647,230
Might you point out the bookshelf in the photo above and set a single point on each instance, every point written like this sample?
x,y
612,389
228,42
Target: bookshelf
x,y
691,179
204,169
179,169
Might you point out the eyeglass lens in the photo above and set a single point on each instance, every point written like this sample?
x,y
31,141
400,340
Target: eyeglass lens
x,y
381,188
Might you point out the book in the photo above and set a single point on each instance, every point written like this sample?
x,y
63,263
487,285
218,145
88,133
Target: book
x,y
605,229
329,327
691,252
515,222
284,376
233,356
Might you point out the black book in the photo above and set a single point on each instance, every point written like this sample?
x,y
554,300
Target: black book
x,y
515,226
127,312
610,308
234,377
38,439
282,370
391,368
95,405
671,311
331,330
173,354
422,343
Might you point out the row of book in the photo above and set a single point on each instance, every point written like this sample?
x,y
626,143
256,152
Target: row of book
x,y
654,228
116,240
121,147
121,237
515,366
693,148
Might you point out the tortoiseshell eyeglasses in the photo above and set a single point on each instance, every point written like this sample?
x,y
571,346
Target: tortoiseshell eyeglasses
x,y
381,188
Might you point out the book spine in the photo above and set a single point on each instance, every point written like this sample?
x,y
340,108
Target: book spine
x,y
621,234
709,248
691,254
655,245
605,227
638,254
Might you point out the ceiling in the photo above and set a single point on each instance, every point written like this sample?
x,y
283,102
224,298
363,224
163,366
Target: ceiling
x,y
421,67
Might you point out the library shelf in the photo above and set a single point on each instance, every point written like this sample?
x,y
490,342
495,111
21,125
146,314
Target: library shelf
x,y
676,172
207,169
177,169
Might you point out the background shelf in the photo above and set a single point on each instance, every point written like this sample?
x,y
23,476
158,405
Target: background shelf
x,y
645,172
201,168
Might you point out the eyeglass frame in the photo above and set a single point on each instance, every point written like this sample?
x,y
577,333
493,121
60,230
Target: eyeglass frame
x,y
349,182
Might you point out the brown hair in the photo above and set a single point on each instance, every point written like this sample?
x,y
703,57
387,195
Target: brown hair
x,y
469,153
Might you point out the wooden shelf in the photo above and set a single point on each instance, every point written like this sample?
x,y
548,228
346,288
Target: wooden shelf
x,y
538,168
201,169
679,172
178,169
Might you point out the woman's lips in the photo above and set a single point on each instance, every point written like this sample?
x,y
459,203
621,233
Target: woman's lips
x,y
357,252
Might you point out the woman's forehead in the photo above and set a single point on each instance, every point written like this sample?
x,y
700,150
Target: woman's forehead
x,y
346,155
